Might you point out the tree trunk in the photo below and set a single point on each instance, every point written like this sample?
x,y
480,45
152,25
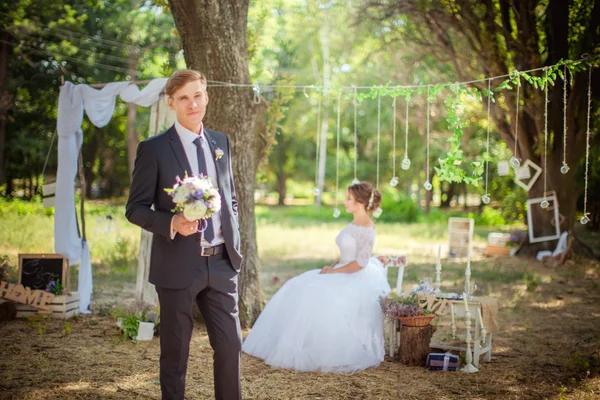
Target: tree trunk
x,y
215,42
4,100
445,203
90,154
281,188
10,186
279,157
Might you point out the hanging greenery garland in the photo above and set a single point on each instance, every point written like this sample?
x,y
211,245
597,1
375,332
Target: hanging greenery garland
x,y
452,167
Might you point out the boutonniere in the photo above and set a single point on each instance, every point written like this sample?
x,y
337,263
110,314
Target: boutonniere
x,y
218,153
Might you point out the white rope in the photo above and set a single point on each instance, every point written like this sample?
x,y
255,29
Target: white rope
x,y
222,84
406,131
378,133
565,114
318,142
337,151
565,167
487,149
394,137
585,219
427,159
515,153
545,141
355,136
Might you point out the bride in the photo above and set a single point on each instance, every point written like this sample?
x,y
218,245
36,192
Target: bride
x,y
329,320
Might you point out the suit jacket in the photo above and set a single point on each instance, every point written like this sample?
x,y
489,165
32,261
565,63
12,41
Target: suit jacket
x,y
159,160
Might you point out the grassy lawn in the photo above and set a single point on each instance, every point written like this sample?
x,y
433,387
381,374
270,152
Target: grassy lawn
x,y
548,346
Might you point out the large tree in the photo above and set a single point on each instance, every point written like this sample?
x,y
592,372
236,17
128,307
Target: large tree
x,y
480,38
215,42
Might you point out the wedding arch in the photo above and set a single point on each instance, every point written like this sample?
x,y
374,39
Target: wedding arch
x,y
99,106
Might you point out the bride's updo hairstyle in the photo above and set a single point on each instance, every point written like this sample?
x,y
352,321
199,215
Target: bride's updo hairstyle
x,y
366,194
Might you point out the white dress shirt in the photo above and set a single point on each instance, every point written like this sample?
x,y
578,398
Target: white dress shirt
x,y
187,138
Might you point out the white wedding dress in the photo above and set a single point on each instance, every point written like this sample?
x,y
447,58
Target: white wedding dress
x,y
326,322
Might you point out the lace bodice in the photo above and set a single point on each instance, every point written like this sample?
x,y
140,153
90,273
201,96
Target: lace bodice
x,y
356,244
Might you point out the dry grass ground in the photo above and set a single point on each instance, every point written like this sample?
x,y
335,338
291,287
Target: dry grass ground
x,y
549,347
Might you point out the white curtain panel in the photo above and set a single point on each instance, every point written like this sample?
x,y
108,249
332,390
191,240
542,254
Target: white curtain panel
x,y
99,105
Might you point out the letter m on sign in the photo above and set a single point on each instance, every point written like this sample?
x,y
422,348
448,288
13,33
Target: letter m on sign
x,y
31,297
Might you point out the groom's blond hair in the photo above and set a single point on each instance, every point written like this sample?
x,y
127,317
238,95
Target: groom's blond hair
x,y
181,78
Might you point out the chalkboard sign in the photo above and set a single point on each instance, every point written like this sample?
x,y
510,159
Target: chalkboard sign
x,y
37,270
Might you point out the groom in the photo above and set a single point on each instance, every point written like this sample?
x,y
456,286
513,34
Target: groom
x,y
187,267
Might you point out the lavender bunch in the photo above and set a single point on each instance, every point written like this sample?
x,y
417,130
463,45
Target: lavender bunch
x,y
396,306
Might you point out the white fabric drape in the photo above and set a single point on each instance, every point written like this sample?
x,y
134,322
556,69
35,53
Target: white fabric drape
x,y
99,105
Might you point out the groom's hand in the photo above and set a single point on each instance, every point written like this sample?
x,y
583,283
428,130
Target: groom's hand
x,y
183,226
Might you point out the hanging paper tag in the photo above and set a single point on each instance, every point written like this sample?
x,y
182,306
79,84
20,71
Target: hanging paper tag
x,y
503,168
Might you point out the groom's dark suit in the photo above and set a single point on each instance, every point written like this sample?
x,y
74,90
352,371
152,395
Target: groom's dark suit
x,y
181,275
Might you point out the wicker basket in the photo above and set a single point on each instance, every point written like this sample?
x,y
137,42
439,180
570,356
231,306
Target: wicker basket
x,y
419,320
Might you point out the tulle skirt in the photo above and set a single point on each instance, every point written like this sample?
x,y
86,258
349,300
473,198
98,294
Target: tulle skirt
x,y
323,322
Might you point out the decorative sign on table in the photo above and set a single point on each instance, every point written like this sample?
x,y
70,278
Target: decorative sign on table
x,y
37,270
432,303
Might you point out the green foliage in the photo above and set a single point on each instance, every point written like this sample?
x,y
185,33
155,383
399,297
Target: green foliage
x,y
54,287
128,317
39,324
397,207
9,206
489,217
450,169
122,256
67,329
4,266
532,281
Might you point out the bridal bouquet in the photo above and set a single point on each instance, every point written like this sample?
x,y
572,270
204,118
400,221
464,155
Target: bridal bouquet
x,y
195,197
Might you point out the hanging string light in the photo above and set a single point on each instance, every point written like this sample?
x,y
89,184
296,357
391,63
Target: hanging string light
x,y
336,210
515,162
378,211
316,190
406,161
565,167
544,204
585,218
355,180
427,185
394,181
485,199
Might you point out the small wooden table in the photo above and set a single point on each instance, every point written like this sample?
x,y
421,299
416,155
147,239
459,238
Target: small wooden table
x,y
482,336
399,262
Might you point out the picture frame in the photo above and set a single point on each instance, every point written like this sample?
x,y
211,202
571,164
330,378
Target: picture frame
x,y
530,228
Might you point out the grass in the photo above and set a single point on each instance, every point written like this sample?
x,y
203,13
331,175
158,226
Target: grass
x,y
548,346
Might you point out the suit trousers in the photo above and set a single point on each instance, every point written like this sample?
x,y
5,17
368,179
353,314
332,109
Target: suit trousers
x,y
214,290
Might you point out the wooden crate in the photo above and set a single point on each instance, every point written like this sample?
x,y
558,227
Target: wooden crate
x,y
493,250
62,307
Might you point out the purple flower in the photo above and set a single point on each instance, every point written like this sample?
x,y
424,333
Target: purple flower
x,y
50,285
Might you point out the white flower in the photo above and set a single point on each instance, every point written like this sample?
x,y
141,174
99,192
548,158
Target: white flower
x,y
218,153
194,211
180,195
